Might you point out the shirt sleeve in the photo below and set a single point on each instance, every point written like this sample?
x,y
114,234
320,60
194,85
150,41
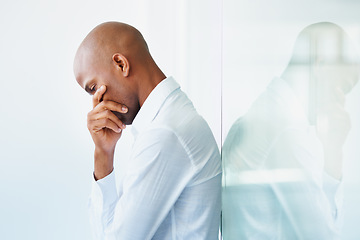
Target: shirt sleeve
x,y
159,170
102,203
334,190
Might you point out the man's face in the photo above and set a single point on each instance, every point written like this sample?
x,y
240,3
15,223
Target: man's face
x,y
92,75
334,82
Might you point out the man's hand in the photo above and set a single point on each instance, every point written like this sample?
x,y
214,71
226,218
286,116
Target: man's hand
x,y
333,126
105,129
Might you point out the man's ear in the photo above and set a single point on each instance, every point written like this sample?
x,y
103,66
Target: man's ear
x,y
121,63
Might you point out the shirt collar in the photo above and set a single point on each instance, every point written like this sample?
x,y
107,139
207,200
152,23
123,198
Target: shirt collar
x,y
153,103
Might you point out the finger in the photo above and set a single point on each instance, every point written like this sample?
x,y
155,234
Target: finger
x,y
100,124
110,115
340,96
98,95
110,105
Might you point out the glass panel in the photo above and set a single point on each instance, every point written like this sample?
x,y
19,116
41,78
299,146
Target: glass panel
x,y
291,119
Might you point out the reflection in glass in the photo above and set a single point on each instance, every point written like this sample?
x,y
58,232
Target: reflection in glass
x,y
282,160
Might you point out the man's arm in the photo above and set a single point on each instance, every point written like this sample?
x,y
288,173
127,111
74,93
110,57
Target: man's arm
x,y
158,172
307,199
333,126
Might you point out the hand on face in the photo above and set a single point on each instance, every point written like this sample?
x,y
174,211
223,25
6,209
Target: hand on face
x,y
333,126
333,123
104,126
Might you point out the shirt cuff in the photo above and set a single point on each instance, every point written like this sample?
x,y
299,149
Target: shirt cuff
x,y
104,191
334,189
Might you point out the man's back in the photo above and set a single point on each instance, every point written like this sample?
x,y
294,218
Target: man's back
x,y
172,189
273,173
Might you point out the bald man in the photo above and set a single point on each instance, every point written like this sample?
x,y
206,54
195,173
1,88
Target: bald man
x,y
172,187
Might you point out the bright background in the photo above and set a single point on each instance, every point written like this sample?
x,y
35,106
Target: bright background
x,y
209,46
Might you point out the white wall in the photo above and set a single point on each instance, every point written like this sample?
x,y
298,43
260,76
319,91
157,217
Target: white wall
x,y
45,149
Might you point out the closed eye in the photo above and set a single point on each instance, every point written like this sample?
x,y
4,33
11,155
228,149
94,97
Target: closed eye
x,y
91,90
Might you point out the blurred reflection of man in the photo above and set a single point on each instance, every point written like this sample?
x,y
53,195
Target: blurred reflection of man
x,y
283,160
172,186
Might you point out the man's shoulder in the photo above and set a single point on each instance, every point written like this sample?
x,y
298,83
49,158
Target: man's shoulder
x,y
178,121
184,126
178,115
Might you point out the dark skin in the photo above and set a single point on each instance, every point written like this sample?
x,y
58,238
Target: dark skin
x,y
114,65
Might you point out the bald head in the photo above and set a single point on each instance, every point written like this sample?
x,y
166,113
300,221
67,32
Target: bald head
x,y
326,42
324,52
109,38
116,55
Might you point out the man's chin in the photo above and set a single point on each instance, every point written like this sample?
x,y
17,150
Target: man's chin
x,y
126,118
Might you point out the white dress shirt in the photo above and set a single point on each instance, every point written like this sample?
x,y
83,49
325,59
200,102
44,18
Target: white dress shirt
x,y
275,186
172,186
